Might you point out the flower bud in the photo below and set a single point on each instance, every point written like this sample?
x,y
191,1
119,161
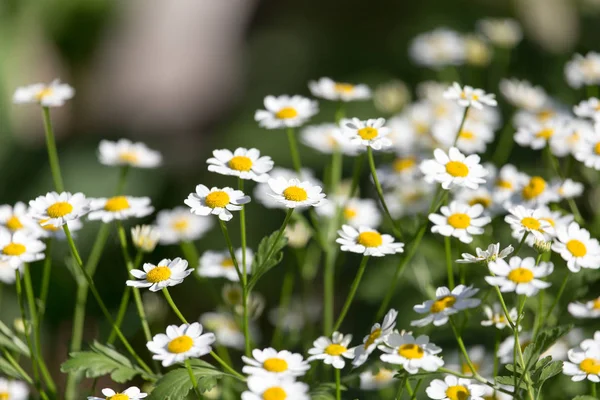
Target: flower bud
x,y
542,246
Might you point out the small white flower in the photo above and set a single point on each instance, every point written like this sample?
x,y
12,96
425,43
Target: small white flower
x,y
446,303
296,315
468,96
367,241
478,51
523,220
327,88
356,212
482,362
590,343
15,390
131,393
402,170
453,388
53,95
390,97
180,343
410,198
16,218
583,70
7,272
588,151
294,193
145,237
495,316
51,231
569,189
459,220
19,248
519,275
217,264
538,135
243,163
473,137
264,387
332,351
438,48
589,309
285,111
271,362
412,353
583,364
124,152
376,381
577,247
492,253
157,277
263,193
507,182
216,201
454,169
179,225
589,108
379,333
556,220
523,94
492,394
119,208
503,32
570,139
367,133
55,209
227,331
328,138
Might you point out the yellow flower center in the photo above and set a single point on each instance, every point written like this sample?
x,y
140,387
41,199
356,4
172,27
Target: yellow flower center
x,y
545,115
421,127
343,87
275,365
158,274
411,351
118,396
286,113
465,369
349,213
484,201
180,344
520,275
48,227
466,135
590,366
499,319
458,392
368,133
531,223
459,221
545,133
129,157
457,169
596,304
218,199
274,393
373,337
59,209
47,91
335,349
576,248
504,184
4,396
597,148
227,263
115,204
402,164
295,193
14,224
370,239
443,303
14,249
240,163
180,224
534,188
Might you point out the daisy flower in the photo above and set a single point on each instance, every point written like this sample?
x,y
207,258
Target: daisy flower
x,y
379,333
7,273
467,96
216,201
569,189
576,247
157,277
495,316
473,137
332,351
180,343
522,94
589,309
538,135
412,353
459,220
243,163
589,108
145,237
367,241
588,151
403,169
218,264
50,231
446,303
591,343
131,393
355,211
583,70
19,248
226,330
55,209
570,139
285,111
503,32
327,88
519,275
295,193
492,394
119,208
478,52
492,253
264,387
483,362
438,48
14,390
506,183
454,169
453,388
535,191
583,364
271,362
410,198
263,193
327,139
376,381
523,220
368,133
16,218
53,95
124,152
555,218
179,225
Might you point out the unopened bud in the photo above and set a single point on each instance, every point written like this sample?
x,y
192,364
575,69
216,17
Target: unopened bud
x,y
21,326
542,246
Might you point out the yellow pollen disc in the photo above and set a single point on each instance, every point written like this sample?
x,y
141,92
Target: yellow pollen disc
x,y
118,396
465,369
295,193
573,138
370,239
180,225
14,249
596,304
227,263
343,87
545,133
274,393
129,157
115,204
59,209
218,199
484,201
457,169
590,366
402,164
335,349
520,275
4,396
349,213
499,319
458,392
466,135
158,274
421,128
597,148
534,188
545,115
180,344
48,227
368,133
286,113
443,303
240,163
459,221
411,351
47,91
531,223
504,184
275,365
373,337
14,224
576,248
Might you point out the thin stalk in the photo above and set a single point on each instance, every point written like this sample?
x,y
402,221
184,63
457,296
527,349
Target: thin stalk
x,y
460,127
190,252
401,387
353,289
449,269
174,306
505,144
328,291
556,300
294,150
45,281
463,349
414,395
188,366
125,300
226,366
593,389
244,281
52,152
11,360
517,347
521,243
338,386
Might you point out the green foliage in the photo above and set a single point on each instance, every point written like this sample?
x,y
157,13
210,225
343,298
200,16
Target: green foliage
x,y
11,342
324,391
585,397
7,369
509,380
269,254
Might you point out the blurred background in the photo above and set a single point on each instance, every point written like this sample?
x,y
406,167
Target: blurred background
x,y
186,77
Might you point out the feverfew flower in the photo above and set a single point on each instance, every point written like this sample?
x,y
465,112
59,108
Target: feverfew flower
x,y
180,343
217,264
438,48
157,277
367,241
589,309
243,163
15,218
472,138
583,70
55,209
519,275
376,381
390,97
124,152
264,387
523,220
145,237
446,303
328,138
555,218
53,95
327,88
19,248
535,191
569,140
589,108
226,329
402,170
294,193
412,353
355,211
470,97
285,111
216,201
478,52
131,393
379,333
503,32
459,220
368,133
588,151
538,135
7,273
180,225
583,364
523,94
506,183
454,169
119,208
271,362
492,253
453,388
569,189
263,193
298,234
495,316
332,351
15,390
577,247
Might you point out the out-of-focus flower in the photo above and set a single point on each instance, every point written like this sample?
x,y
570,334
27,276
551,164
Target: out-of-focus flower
x,y
119,208
588,151
391,97
376,381
583,70
179,225
503,32
127,153
522,94
477,51
298,234
227,331
438,48
327,88
53,95
216,264
328,138
589,108
589,309
495,316
145,237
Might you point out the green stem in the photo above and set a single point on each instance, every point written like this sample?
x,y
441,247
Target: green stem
x,y
52,152
517,347
188,366
556,300
463,349
226,366
593,389
294,150
521,243
338,387
401,387
353,289
190,252
244,281
328,291
505,145
417,386
45,281
125,300
11,360
449,269
174,306
460,127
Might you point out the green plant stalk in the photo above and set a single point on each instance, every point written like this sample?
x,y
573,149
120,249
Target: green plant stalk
x,y
338,387
463,349
505,144
328,291
124,300
244,281
174,306
190,252
460,127
520,245
188,366
227,367
45,281
361,270
449,268
11,360
294,150
561,290
593,389
52,152
530,390
401,387
417,386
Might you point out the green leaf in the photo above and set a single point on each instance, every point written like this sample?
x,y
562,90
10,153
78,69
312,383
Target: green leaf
x,y
324,391
10,341
268,255
544,340
176,384
509,380
552,369
7,369
585,397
